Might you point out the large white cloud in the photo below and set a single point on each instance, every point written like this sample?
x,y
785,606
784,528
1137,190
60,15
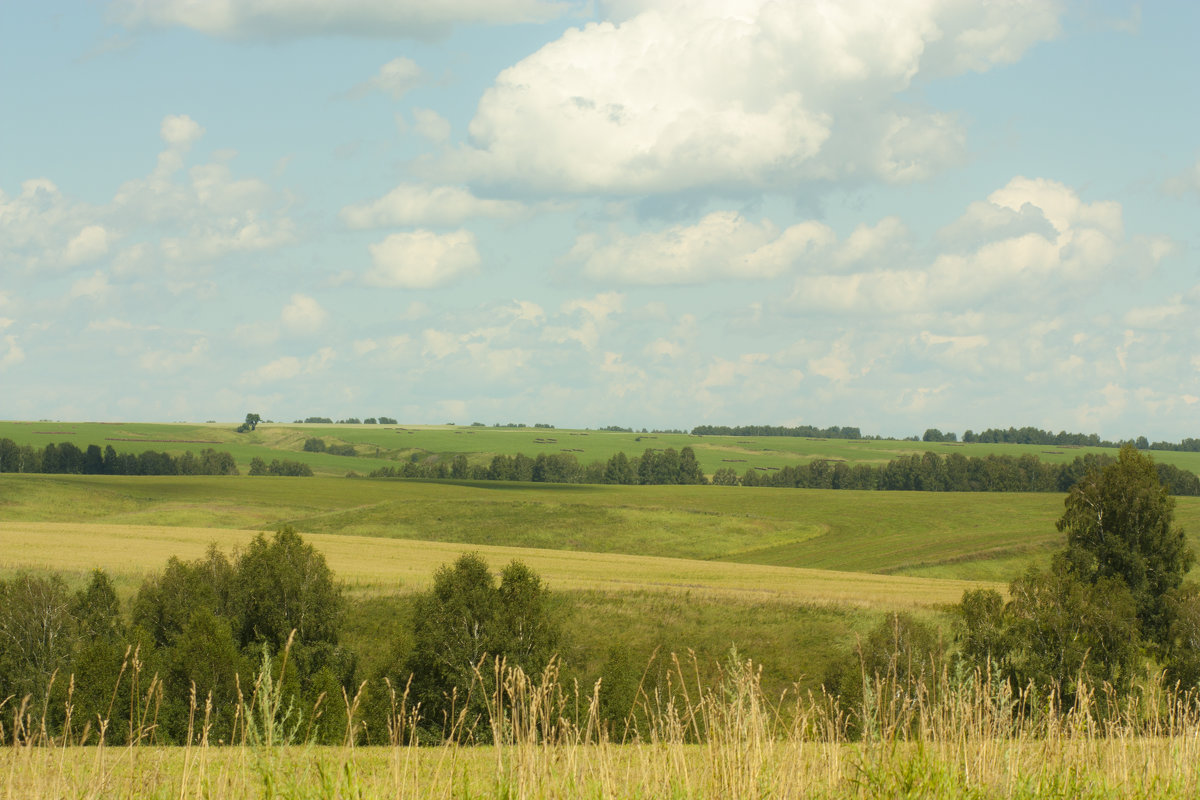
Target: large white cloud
x,y
422,259
283,19
723,244
687,94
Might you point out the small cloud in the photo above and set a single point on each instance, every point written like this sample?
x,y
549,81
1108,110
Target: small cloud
x,y
303,315
722,245
95,286
414,204
87,245
288,367
396,78
166,361
431,125
11,353
422,259
1154,316
1186,182
112,324
439,344
180,131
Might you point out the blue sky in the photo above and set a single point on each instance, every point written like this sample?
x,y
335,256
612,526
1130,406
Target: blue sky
x,y
660,213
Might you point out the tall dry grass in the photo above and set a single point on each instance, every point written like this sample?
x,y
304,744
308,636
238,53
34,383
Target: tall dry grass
x,y
949,736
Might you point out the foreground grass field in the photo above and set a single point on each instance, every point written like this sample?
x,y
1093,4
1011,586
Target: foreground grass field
x,y
379,445
726,739
951,535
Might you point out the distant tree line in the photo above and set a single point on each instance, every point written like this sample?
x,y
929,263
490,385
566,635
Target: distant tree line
x,y
1025,435
653,467
67,459
806,431
953,472
929,472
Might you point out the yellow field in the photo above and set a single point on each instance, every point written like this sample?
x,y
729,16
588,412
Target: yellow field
x,y
372,565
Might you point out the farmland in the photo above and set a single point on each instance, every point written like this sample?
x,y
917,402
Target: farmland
x,y
789,577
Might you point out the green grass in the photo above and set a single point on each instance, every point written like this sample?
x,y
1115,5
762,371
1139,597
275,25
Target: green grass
x,y
951,535
380,445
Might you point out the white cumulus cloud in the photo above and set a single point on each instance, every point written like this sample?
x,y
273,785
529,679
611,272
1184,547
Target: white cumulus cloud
x,y
693,94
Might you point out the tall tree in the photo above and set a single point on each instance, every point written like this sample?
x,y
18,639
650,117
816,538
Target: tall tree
x,y
1119,524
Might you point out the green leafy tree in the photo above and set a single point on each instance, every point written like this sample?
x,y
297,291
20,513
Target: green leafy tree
x,y
283,585
725,476
1119,525
165,603
467,618
252,421
1064,631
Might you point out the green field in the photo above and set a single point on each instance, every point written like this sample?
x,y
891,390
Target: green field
x,y
380,445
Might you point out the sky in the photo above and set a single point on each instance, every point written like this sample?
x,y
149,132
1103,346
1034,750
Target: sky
x,y
646,213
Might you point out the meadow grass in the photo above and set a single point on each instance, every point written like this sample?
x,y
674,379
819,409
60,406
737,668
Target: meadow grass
x,y
378,445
